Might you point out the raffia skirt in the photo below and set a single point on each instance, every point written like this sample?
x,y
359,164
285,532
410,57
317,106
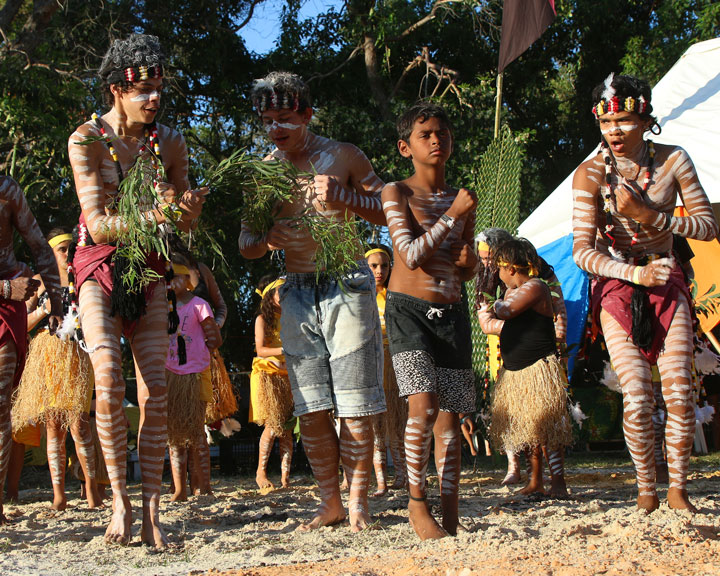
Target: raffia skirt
x,y
530,408
271,401
186,410
224,403
56,385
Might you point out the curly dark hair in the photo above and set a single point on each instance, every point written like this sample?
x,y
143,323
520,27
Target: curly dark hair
x,y
519,253
135,50
267,307
629,87
488,278
420,111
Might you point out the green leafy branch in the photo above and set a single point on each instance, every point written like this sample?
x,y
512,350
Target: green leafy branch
x,y
708,303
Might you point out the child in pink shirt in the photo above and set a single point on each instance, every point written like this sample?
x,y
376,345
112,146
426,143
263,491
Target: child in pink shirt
x,y
187,370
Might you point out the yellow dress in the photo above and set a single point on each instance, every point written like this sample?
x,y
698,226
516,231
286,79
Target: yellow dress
x,y
266,370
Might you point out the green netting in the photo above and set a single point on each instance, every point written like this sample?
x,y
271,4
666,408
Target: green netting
x,y
498,186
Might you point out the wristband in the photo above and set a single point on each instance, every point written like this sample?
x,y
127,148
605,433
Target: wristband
x,y
449,221
636,275
7,289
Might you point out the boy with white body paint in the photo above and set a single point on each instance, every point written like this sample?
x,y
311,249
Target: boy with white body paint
x,y
132,77
330,333
428,329
623,228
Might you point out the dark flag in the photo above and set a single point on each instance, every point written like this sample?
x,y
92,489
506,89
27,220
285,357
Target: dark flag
x,y
523,22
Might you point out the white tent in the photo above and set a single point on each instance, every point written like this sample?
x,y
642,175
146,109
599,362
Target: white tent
x,y
686,103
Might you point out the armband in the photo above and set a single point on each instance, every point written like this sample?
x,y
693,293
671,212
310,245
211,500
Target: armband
x,y
7,289
449,221
636,275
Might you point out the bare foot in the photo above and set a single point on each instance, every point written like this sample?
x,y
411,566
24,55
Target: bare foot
x,y
118,531
558,489
678,500
179,496
3,519
422,521
380,492
326,516
359,518
649,503
59,503
285,482
512,477
263,481
399,483
152,534
661,473
93,497
532,488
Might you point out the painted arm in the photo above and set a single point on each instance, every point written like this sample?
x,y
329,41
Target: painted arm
x,y
362,197
26,225
559,310
36,313
489,323
463,252
176,163
520,299
216,298
261,350
213,339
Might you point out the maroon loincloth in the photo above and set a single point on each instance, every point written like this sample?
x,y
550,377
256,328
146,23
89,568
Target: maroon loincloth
x,y
614,297
95,262
13,327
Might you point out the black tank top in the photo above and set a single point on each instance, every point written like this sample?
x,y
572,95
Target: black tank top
x,y
526,339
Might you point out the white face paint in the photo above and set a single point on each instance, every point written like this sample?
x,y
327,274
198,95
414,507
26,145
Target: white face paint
x,y
276,125
621,127
145,97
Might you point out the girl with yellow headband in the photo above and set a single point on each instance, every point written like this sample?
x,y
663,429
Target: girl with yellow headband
x,y
388,428
187,370
530,403
56,389
271,402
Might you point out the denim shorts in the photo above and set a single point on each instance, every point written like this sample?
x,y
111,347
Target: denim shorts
x,y
332,341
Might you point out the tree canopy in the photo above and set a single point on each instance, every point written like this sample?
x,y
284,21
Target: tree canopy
x,y
364,62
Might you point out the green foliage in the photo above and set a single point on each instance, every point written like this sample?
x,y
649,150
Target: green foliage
x,y
708,303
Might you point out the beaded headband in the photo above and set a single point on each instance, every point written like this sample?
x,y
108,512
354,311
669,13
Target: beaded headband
x,y
135,73
614,105
59,239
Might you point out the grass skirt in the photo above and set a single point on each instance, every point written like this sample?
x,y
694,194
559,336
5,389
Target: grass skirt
x,y
224,403
397,408
186,412
275,396
530,408
57,383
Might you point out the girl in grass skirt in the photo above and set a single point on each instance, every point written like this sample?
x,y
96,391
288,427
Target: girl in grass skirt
x,y
530,403
271,402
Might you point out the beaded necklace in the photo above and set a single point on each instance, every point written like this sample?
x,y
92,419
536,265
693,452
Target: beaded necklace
x,y
609,195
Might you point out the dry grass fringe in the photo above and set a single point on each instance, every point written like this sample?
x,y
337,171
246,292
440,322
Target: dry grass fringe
x,y
224,403
55,385
186,412
276,399
530,408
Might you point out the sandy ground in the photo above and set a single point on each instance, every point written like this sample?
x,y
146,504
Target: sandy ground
x,y
243,532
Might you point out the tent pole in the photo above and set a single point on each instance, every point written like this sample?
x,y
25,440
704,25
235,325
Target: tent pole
x,y
498,103
713,340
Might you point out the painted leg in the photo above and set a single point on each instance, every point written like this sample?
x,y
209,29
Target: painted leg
x,y
8,363
82,436
178,467
57,457
397,450
102,335
356,447
422,414
201,457
635,378
15,467
447,462
658,420
379,454
535,475
513,470
266,445
556,463
286,451
323,452
149,346
674,366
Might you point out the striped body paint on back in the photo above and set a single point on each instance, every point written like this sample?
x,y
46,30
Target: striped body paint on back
x,y
674,174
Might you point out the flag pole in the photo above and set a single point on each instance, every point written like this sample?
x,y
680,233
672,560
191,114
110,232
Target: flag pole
x,y
498,103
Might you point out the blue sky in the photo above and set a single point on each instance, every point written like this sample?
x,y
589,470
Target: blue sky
x,y
262,31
